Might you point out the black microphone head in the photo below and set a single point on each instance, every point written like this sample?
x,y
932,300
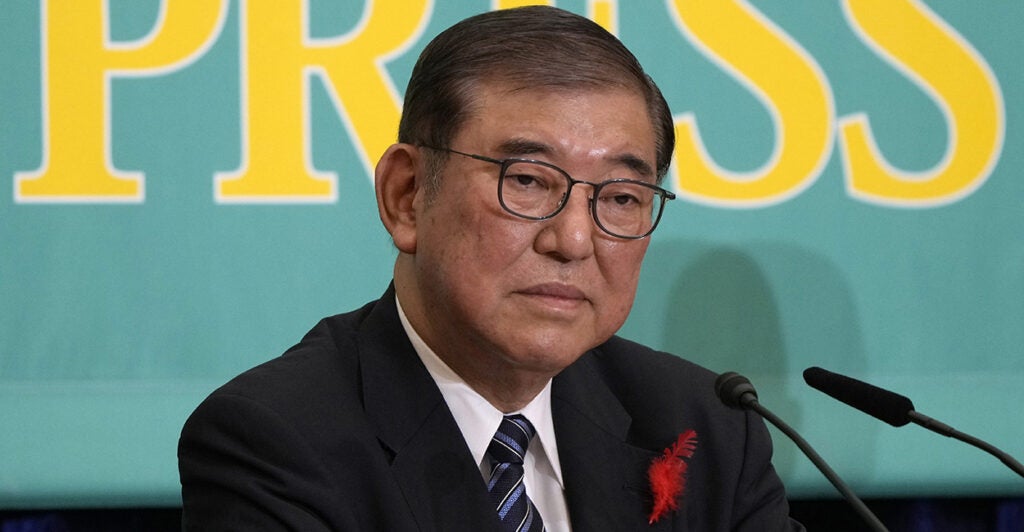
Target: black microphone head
x,y
887,406
731,388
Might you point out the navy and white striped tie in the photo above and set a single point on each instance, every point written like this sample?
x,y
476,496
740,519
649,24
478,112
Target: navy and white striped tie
x,y
508,493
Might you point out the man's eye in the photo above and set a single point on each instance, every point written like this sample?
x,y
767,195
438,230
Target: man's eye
x,y
524,181
620,199
625,199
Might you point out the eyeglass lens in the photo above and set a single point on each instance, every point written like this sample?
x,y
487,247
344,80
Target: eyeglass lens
x,y
538,191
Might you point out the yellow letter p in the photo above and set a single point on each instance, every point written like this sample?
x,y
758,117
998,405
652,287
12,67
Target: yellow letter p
x,y
78,60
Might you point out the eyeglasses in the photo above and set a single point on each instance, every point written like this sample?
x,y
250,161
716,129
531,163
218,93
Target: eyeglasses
x,y
536,190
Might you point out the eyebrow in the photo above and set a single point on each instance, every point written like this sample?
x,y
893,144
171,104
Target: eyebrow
x,y
520,147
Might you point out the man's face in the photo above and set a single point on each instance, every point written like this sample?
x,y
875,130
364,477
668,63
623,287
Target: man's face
x,y
500,292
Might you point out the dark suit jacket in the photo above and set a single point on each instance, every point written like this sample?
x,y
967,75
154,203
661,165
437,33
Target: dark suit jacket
x,y
347,431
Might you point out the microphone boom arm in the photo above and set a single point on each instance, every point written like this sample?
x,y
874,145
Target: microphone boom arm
x,y
819,462
945,430
894,409
736,391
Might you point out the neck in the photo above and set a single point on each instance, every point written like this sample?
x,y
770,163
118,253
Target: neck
x,y
509,392
506,385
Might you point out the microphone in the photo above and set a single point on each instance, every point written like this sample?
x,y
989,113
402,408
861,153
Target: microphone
x,y
736,391
894,409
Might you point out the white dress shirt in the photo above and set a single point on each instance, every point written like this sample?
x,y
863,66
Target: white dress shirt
x,y
478,420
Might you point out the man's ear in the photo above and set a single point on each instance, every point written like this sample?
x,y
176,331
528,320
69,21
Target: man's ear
x,y
396,187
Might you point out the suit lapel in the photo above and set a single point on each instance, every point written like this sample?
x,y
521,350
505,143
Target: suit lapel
x,y
430,460
605,476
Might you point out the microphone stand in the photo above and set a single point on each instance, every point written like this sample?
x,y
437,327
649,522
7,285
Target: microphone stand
x,y
892,408
857,504
945,430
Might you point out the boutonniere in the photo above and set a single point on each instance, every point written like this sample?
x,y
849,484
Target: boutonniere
x,y
667,475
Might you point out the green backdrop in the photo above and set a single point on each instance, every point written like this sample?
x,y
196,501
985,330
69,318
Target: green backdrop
x,y
117,318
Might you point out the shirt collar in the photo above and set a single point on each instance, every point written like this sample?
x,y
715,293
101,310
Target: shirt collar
x,y
478,419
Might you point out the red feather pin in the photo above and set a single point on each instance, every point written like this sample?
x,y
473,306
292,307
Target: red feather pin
x,y
667,475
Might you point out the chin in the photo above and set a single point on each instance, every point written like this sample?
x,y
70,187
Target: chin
x,y
550,359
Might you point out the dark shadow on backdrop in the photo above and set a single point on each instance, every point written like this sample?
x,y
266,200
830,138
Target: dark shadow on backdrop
x,y
766,310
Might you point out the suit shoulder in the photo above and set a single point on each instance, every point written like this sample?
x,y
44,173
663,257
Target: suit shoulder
x,y
661,390
322,368
631,361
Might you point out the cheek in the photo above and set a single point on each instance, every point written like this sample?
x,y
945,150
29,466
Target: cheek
x,y
621,270
621,262
475,247
493,238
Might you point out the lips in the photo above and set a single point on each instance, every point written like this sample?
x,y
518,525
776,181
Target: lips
x,y
555,291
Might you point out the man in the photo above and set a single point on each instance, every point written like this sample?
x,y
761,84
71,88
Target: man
x,y
511,279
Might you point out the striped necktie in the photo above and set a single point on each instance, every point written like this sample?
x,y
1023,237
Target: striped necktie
x,y
506,488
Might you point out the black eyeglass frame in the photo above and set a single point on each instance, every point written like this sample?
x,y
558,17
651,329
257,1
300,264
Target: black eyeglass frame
x,y
663,194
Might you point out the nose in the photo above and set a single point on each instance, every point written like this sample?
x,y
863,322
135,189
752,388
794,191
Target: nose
x,y
570,234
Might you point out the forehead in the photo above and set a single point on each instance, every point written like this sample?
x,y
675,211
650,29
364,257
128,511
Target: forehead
x,y
560,123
